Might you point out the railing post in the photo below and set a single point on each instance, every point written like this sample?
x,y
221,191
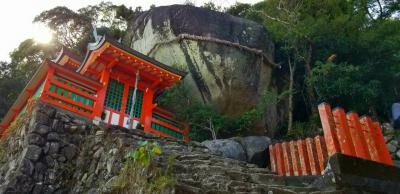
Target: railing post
x,y
295,158
381,145
371,145
287,159
272,157
356,131
280,164
328,126
312,156
303,157
321,152
343,133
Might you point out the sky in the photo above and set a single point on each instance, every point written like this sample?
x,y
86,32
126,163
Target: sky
x,y
16,16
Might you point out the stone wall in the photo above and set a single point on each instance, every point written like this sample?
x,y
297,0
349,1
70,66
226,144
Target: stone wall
x,y
392,139
55,152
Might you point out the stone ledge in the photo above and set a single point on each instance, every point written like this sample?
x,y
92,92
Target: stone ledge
x,y
363,175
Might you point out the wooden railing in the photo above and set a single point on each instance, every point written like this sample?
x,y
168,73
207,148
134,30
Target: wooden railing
x,y
70,96
299,158
163,123
345,134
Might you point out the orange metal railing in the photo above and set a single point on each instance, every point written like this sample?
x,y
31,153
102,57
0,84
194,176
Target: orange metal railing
x,y
343,133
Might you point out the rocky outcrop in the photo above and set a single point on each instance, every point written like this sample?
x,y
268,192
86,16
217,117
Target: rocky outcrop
x,y
229,59
392,140
55,152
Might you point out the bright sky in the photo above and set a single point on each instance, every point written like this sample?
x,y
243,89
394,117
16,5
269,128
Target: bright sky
x,y
16,16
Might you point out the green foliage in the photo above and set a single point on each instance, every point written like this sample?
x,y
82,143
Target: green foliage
x,y
202,118
127,13
347,51
238,9
211,6
301,130
69,26
25,60
145,153
350,86
74,28
138,172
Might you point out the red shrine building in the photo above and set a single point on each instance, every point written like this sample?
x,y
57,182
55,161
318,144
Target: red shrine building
x,y
101,87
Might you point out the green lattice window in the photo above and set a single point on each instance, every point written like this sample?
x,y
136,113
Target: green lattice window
x,y
71,95
166,130
115,91
165,120
137,110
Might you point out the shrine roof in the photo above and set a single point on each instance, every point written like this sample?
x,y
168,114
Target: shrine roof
x,y
106,39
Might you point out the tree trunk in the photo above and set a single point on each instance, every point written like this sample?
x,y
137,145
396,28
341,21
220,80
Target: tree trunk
x,y
292,70
309,88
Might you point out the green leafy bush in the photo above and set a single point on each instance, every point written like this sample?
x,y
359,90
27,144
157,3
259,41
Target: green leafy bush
x,y
140,175
204,120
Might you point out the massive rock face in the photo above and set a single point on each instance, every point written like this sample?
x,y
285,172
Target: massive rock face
x,y
229,59
55,152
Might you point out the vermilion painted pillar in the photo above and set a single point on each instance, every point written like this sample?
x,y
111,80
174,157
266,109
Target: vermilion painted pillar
x,y
328,125
312,156
370,142
303,157
357,135
101,94
295,158
287,159
343,132
321,152
272,157
381,145
147,109
46,86
280,164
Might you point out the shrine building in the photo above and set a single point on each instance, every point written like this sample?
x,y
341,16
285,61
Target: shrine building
x,y
101,87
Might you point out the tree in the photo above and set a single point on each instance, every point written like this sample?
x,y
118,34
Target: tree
x,y
25,60
238,9
356,36
211,6
29,56
69,27
74,29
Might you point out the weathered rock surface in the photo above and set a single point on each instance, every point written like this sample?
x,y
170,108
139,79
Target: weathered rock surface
x,y
229,59
392,140
226,147
251,149
89,158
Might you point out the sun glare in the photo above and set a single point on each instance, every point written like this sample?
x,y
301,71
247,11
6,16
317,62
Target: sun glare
x,y
42,34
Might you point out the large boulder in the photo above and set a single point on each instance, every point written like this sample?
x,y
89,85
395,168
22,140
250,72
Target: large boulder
x,y
226,147
256,149
251,149
229,59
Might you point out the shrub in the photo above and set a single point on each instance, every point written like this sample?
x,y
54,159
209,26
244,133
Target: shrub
x,y
140,175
